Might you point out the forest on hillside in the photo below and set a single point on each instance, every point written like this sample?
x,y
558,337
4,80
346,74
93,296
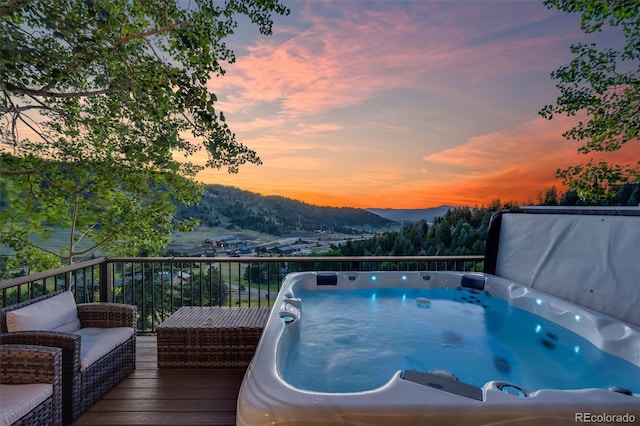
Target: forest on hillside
x,y
230,207
463,230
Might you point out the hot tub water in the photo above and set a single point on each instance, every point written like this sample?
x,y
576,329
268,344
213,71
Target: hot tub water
x,y
356,340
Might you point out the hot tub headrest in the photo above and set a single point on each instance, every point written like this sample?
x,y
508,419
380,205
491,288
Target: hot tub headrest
x,y
326,279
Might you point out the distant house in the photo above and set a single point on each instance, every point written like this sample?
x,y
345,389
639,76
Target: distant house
x,y
233,242
287,249
225,241
238,252
180,278
184,250
176,278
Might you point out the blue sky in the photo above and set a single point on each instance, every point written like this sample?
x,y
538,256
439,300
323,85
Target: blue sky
x,y
402,104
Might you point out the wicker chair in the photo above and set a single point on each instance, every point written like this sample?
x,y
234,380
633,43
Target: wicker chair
x,y
81,389
25,364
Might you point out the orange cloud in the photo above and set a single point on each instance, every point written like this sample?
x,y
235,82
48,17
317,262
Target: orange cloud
x,y
513,165
516,165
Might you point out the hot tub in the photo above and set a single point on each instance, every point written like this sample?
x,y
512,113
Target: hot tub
x,y
451,347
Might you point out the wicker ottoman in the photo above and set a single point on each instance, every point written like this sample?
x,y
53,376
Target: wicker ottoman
x,y
207,337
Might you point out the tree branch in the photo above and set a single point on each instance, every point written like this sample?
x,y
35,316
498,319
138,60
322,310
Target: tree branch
x,y
64,95
155,31
30,244
102,242
32,170
12,6
19,116
83,234
74,218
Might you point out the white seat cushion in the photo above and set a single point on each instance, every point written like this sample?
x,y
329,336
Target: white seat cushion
x,y
18,400
57,313
97,342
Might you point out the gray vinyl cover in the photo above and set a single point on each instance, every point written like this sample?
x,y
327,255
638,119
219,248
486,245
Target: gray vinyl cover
x,y
590,260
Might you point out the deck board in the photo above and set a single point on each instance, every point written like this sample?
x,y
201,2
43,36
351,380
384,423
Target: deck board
x,y
168,397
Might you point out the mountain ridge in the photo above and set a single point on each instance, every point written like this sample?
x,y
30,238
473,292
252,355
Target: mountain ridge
x,y
411,215
232,207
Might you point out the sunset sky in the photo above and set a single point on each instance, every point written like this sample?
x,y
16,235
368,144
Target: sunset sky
x,y
403,104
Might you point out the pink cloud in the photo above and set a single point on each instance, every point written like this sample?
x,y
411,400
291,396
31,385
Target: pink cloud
x,y
343,61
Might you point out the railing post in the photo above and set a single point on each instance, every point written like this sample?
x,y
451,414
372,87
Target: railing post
x,y
106,284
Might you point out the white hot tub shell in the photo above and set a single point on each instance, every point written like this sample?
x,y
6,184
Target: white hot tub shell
x,y
416,398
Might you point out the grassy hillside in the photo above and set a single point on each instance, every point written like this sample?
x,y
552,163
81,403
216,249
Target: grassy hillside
x,y
231,208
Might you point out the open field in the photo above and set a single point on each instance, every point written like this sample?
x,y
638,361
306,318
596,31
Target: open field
x,y
198,235
315,242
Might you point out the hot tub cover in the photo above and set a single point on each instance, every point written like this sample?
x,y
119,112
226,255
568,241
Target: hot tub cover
x,y
589,256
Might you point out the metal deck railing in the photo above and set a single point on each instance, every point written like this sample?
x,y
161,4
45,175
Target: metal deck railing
x,y
158,286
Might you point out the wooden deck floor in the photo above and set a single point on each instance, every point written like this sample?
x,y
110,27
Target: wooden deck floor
x,y
168,396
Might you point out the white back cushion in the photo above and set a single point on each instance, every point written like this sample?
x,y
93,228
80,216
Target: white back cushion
x,y
57,313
